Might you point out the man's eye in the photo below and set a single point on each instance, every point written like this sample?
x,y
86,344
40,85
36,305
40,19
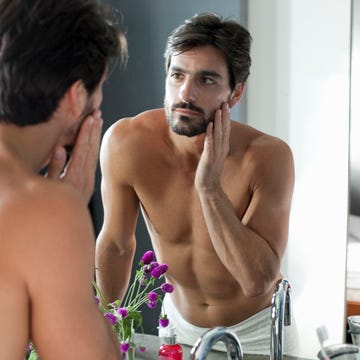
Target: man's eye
x,y
176,75
208,81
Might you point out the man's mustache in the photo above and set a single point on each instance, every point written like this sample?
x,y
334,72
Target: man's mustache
x,y
188,106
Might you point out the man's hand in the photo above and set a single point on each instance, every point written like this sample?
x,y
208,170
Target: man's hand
x,y
80,169
216,148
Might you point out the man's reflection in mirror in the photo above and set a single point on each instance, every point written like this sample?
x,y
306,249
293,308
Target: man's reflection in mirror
x,y
215,193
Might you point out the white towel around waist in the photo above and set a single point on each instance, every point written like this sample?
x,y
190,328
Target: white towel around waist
x,y
253,333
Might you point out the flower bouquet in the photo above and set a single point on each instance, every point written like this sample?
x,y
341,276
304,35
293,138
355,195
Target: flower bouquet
x,y
126,317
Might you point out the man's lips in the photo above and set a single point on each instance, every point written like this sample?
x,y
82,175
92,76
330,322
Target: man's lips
x,y
187,112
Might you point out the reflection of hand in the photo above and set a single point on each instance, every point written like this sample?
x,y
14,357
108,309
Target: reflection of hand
x,y
80,169
216,148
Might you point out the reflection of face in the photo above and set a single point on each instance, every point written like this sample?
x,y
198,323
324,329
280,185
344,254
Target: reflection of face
x,y
197,84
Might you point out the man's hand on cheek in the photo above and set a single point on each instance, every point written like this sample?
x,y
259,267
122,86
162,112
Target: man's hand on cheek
x,y
81,166
216,148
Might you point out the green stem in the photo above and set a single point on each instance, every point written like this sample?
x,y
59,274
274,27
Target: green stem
x,y
103,305
139,293
130,292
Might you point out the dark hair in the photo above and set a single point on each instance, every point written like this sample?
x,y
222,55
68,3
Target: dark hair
x,y
232,39
46,46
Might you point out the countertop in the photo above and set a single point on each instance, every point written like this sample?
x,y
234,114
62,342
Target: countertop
x,y
152,344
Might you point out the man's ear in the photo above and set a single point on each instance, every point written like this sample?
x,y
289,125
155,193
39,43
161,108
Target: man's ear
x,y
78,97
236,94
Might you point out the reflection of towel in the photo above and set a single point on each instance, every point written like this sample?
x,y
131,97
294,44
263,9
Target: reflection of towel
x,y
253,333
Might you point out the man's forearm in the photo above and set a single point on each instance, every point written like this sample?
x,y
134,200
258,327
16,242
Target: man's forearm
x,y
246,255
113,271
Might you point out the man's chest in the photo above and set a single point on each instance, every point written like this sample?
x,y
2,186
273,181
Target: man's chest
x,y
171,203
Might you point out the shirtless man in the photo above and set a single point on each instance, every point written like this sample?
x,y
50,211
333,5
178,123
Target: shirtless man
x,y
215,193
53,63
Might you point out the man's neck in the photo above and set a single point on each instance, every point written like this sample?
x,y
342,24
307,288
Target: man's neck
x,y
191,146
30,145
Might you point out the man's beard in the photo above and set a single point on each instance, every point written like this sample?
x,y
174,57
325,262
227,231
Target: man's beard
x,y
186,125
89,109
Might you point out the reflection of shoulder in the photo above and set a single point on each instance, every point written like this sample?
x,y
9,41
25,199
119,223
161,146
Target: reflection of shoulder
x,y
142,122
264,141
259,147
135,131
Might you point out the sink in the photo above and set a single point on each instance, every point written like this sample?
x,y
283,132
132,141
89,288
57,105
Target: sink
x,y
341,352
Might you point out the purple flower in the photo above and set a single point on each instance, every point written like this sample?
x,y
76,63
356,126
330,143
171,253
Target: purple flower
x,y
143,280
149,267
123,312
124,347
148,257
152,296
165,267
151,304
97,300
167,288
142,348
111,317
163,321
159,270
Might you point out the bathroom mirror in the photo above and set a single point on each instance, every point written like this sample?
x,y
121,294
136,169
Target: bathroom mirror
x,y
298,90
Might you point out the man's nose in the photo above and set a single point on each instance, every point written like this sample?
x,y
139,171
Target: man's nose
x,y
188,91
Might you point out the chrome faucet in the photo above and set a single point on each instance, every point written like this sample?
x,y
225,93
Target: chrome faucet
x,y
204,344
280,317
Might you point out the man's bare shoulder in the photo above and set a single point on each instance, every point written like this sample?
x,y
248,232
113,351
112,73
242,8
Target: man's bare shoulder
x,y
47,253
37,209
268,160
36,188
132,136
257,144
131,128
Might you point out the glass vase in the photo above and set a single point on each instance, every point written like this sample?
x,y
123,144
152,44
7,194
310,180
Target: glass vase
x,y
129,355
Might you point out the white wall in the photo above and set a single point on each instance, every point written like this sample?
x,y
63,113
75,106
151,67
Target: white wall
x,y
299,90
